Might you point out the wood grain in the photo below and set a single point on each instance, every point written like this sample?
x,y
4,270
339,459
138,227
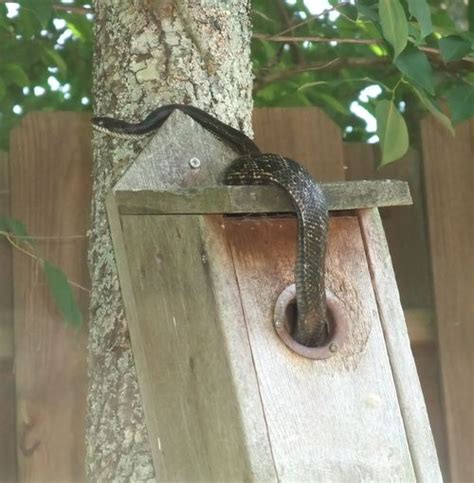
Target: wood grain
x,y
410,396
6,280
193,359
50,183
332,420
304,134
449,181
429,371
8,464
405,227
345,195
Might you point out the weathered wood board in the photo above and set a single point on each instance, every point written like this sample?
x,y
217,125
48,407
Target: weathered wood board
x,y
8,465
410,396
449,181
405,227
50,183
341,412
332,420
224,399
6,285
191,351
261,199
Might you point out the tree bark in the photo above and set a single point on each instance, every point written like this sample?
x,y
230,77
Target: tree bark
x,y
148,53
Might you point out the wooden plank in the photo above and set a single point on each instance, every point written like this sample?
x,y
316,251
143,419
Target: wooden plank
x,y
420,327
406,233
408,388
405,228
331,420
191,351
164,163
259,199
50,182
305,134
428,367
449,180
8,463
6,280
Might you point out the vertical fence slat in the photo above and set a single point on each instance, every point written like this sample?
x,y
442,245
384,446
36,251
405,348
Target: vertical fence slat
x,y
304,134
449,180
404,226
50,185
405,229
7,382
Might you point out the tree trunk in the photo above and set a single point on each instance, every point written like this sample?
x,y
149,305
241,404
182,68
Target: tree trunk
x,y
148,53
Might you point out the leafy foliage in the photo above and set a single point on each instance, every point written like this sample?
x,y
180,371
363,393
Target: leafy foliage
x,y
45,59
411,49
15,232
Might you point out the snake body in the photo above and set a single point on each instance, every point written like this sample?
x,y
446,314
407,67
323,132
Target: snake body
x,y
255,168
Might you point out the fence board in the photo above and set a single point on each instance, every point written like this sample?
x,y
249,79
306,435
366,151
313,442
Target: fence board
x,y
304,134
405,229
449,181
50,182
48,375
7,381
404,226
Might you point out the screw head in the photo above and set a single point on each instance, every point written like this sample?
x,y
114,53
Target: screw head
x,y
333,347
194,163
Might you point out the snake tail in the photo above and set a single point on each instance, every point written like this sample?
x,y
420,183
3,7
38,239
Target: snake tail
x,y
312,325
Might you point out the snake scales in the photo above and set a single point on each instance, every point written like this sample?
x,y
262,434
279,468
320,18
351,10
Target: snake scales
x,y
253,167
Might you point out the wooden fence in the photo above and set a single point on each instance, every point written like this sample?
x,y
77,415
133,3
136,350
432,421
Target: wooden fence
x,y
50,163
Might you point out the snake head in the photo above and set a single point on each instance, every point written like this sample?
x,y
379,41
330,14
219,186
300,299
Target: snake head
x,y
108,125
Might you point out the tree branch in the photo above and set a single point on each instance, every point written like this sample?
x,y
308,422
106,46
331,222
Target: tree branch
x,y
343,40
312,17
262,79
311,38
338,63
295,51
63,8
69,8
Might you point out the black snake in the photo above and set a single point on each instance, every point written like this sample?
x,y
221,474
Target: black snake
x,y
253,167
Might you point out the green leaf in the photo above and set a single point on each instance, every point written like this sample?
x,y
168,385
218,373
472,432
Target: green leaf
x,y
41,9
394,24
62,294
3,89
421,11
13,226
368,12
432,106
349,11
392,132
415,65
58,61
15,74
454,47
414,33
470,15
443,23
460,99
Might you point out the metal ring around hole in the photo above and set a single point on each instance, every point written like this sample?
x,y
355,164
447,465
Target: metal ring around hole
x,y
338,329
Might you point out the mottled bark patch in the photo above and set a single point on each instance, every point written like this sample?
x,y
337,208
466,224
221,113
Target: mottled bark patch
x,y
148,53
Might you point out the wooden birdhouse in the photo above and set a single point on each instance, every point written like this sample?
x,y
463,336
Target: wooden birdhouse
x,y
202,270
